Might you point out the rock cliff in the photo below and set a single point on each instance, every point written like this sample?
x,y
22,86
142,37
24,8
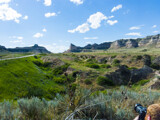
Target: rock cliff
x,y
149,41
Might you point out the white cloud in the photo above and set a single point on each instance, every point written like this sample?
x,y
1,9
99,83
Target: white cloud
x,y
133,34
7,13
112,22
96,19
135,28
38,35
77,2
5,1
17,39
155,31
50,14
44,30
47,2
56,48
116,8
90,38
94,22
81,28
110,17
154,26
25,17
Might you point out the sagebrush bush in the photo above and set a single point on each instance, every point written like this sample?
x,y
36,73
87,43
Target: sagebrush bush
x,y
33,109
80,103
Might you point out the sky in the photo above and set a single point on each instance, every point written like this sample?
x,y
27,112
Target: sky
x,y
55,24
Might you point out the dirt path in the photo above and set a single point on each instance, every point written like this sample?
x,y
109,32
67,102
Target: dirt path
x,y
17,57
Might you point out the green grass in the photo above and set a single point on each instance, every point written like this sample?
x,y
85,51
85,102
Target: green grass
x,y
22,78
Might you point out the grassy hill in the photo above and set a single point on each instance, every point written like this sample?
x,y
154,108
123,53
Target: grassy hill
x,y
22,78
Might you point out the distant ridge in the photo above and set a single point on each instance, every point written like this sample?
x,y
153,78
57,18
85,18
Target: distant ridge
x,y
149,41
33,49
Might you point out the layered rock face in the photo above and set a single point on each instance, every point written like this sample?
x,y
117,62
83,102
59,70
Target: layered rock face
x,y
34,49
149,41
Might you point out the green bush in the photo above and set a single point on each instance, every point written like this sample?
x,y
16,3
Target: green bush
x,y
139,57
101,80
60,79
142,82
106,66
60,70
132,68
116,62
93,65
155,66
87,82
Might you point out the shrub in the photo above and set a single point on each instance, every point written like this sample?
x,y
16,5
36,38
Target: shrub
x,y
139,57
116,62
33,91
93,65
101,80
33,109
6,111
155,66
142,82
60,79
60,70
87,82
106,66
132,68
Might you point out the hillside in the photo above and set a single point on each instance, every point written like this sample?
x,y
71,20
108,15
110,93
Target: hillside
x,y
32,49
149,41
59,85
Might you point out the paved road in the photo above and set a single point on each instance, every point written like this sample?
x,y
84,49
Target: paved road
x,y
17,57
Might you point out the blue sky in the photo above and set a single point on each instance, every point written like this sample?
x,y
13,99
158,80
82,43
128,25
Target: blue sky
x,y
57,23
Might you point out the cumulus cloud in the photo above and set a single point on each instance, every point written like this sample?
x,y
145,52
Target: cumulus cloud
x,y
56,48
90,38
116,8
77,2
47,15
94,22
133,34
25,17
7,13
154,26
112,22
110,17
96,19
47,2
44,30
5,1
38,35
81,28
135,28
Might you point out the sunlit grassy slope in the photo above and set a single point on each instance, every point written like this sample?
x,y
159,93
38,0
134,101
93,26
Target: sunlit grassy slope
x,y
22,78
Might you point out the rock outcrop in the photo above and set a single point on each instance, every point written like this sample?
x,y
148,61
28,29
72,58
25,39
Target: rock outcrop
x,y
123,75
33,49
149,41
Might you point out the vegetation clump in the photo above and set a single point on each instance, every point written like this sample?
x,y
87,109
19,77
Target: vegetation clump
x,y
93,65
87,81
101,80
